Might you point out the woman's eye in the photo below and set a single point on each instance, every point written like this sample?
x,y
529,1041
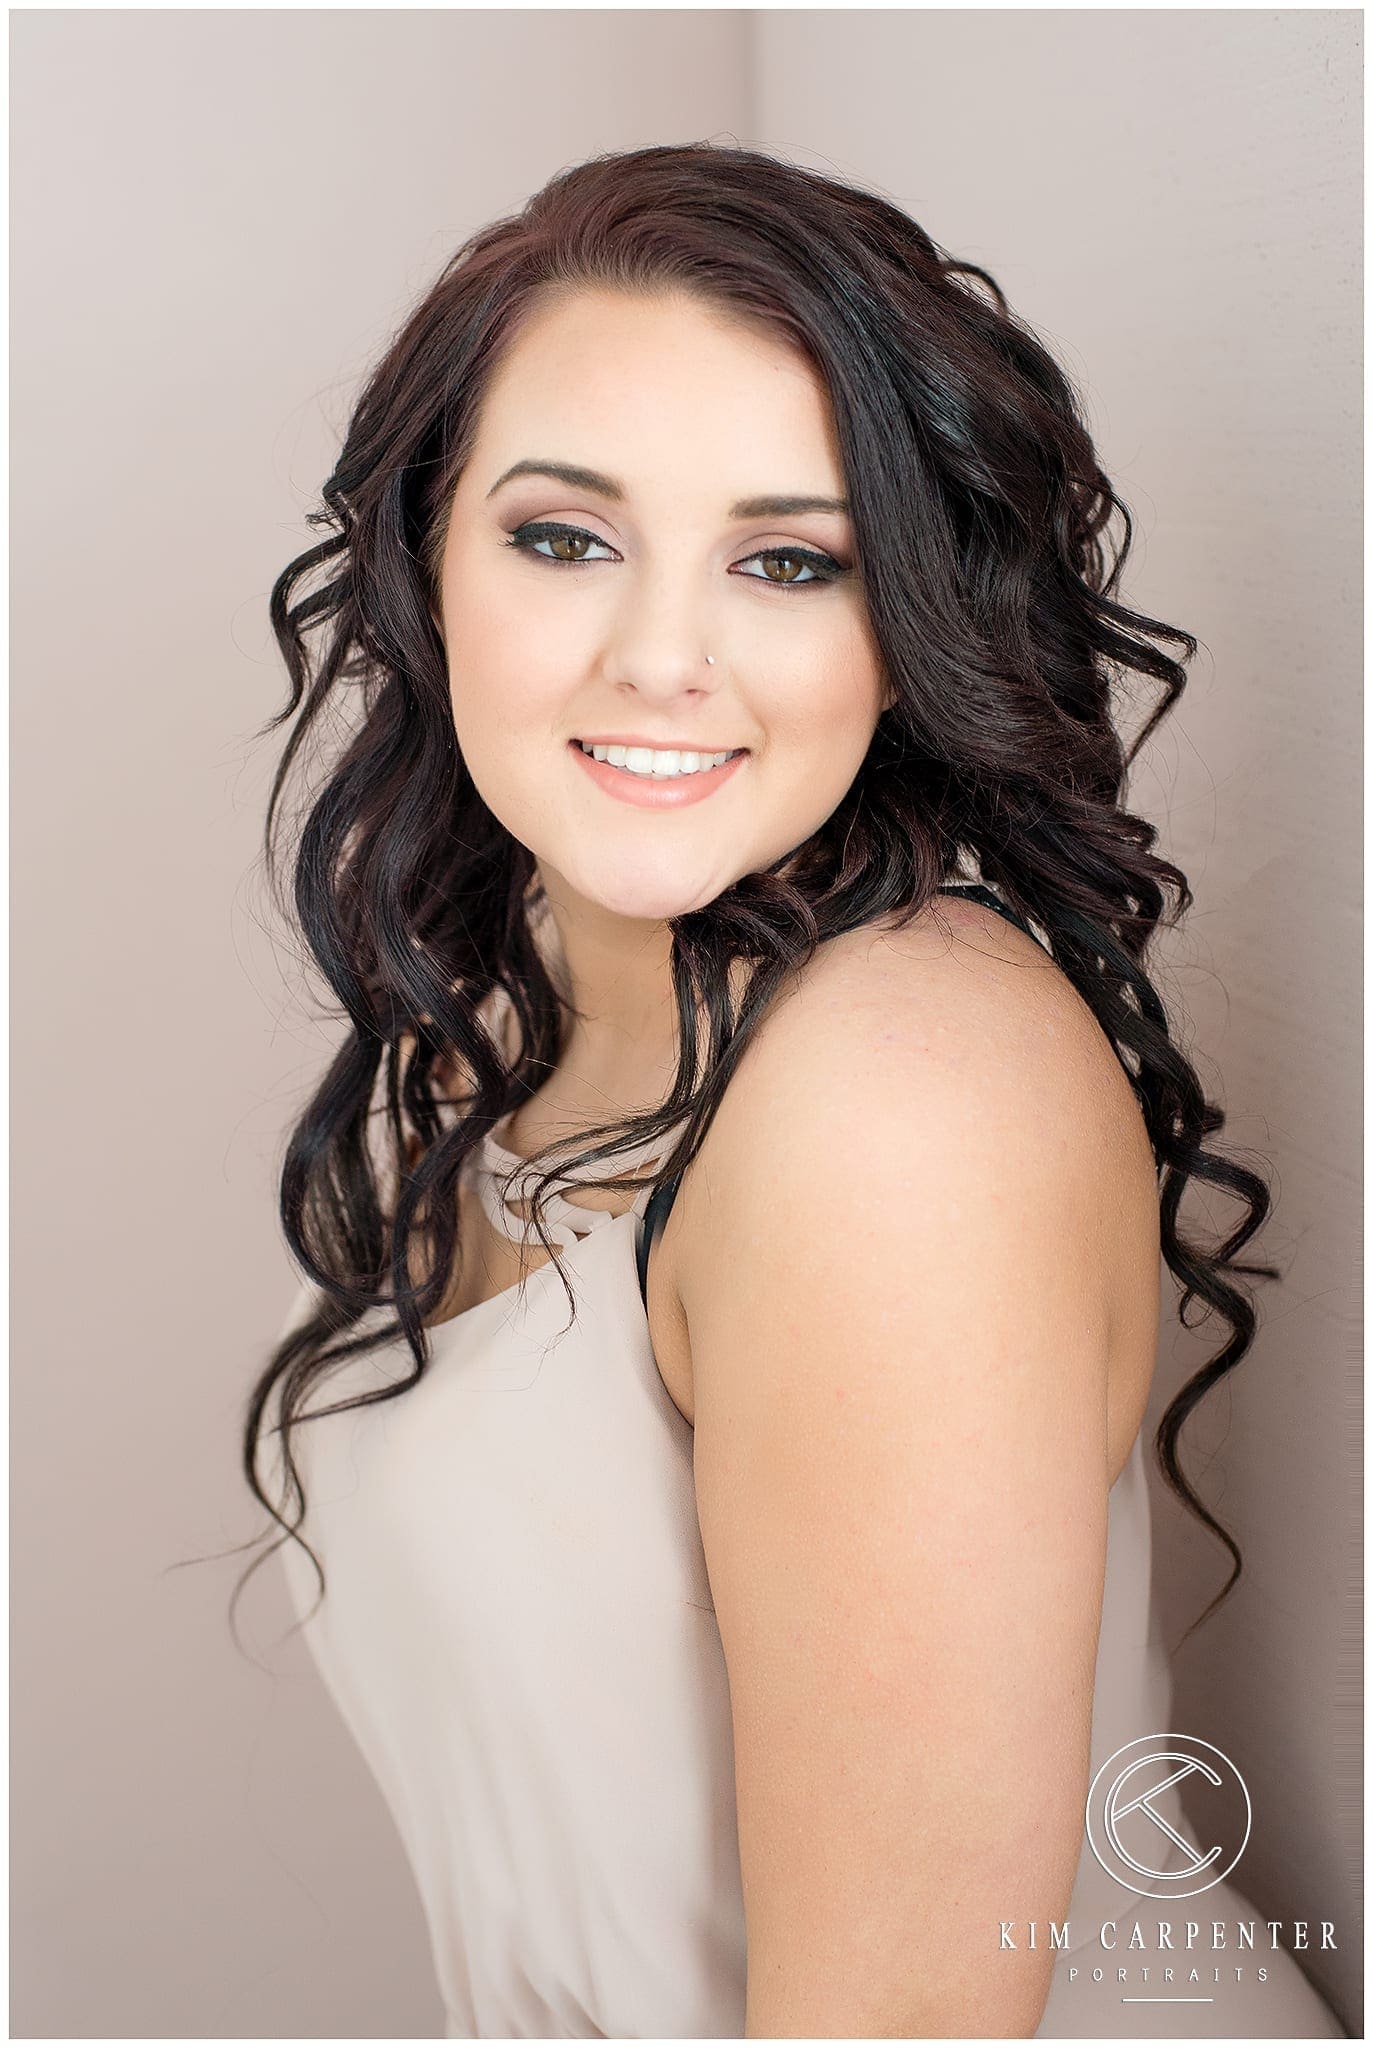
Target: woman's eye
x,y
801,566
558,536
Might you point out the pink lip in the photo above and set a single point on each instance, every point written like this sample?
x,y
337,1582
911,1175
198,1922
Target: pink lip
x,y
634,739
652,792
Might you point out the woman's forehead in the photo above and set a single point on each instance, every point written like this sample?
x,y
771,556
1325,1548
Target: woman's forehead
x,y
635,396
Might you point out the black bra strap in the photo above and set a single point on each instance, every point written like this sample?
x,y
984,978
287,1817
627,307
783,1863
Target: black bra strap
x,y
654,1217
985,895
660,1201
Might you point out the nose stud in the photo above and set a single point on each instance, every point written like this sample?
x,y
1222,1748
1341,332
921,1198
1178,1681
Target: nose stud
x,y
711,659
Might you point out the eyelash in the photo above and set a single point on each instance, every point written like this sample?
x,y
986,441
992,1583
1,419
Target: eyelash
x,y
823,567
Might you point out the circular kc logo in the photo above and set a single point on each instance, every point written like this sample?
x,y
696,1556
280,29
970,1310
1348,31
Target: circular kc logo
x,y
1135,1821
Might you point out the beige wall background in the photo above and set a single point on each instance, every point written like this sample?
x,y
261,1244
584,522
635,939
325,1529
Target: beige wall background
x,y
218,219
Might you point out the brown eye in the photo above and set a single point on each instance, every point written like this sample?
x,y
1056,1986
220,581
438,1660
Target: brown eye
x,y
793,563
801,568
568,544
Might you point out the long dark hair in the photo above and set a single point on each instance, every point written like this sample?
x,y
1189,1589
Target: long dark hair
x,y
980,514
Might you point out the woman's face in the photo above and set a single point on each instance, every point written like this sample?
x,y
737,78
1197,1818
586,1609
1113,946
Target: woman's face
x,y
579,607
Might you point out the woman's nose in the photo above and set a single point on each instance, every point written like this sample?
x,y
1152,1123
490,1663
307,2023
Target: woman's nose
x,y
666,647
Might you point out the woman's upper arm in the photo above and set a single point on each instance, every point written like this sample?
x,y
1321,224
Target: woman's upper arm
x,y
898,1336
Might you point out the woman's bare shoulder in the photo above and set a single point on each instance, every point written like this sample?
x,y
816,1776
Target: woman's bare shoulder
x,y
958,1003
955,1034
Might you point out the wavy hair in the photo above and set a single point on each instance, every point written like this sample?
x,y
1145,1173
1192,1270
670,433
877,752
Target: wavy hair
x,y
980,514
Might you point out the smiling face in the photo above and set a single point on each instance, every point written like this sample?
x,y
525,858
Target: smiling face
x,y
581,607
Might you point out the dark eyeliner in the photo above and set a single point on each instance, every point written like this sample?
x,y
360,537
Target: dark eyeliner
x,y
550,529
828,570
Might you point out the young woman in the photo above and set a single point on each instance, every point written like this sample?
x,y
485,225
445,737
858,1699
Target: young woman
x,y
719,1378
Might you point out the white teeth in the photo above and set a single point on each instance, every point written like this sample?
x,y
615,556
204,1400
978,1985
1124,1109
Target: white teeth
x,y
649,761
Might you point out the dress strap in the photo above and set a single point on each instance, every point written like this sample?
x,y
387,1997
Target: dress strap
x,y
660,1201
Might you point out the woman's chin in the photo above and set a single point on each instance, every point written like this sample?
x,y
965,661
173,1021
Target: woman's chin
x,y
648,902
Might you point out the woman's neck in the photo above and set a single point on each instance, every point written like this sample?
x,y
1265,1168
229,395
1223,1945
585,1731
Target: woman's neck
x,y
615,976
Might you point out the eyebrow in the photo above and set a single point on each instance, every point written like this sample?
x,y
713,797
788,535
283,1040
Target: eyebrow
x,y
606,486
